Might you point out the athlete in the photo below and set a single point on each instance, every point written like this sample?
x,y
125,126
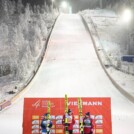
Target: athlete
x,y
46,124
88,124
70,121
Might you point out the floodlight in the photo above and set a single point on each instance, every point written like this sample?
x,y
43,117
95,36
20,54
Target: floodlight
x,y
127,15
64,4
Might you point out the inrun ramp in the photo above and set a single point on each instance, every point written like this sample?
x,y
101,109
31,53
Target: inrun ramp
x,y
70,66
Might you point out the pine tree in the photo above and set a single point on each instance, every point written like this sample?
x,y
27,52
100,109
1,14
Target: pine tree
x,y
19,6
3,10
11,7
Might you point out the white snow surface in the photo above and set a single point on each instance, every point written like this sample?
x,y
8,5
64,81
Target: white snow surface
x,y
111,49
71,67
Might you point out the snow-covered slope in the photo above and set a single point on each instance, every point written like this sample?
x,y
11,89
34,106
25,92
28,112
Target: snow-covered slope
x,y
71,67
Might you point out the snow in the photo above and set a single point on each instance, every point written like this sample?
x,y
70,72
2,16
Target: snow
x,y
23,34
70,66
110,47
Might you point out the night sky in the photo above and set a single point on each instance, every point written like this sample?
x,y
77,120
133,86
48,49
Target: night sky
x,y
37,2
76,5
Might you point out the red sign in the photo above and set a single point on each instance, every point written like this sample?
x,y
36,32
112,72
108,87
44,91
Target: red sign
x,y
35,108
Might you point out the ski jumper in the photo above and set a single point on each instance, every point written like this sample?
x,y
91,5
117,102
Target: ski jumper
x,y
70,122
88,125
46,125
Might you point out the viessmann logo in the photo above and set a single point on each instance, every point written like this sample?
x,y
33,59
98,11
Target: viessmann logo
x,y
43,103
86,103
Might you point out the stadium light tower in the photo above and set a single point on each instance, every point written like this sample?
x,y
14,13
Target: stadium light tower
x,y
64,4
65,7
127,18
127,15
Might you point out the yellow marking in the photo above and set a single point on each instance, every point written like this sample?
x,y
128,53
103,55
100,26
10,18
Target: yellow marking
x,y
35,117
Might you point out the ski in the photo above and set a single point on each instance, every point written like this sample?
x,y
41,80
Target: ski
x,y
80,114
48,109
48,116
66,114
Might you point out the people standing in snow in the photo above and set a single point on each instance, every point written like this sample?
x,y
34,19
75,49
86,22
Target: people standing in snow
x,y
46,124
88,124
70,121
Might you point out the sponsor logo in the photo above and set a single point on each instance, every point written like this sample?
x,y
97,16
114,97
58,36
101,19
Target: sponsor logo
x,y
52,117
35,127
59,122
59,117
100,131
35,117
99,122
76,116
98,117
35,131
52,131
59,126
85,103
59,130
45,103
92,116
75,126
36,104
99,126
76,122
35,122
75,131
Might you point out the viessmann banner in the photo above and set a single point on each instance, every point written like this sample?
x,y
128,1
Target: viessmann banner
x,y
35,108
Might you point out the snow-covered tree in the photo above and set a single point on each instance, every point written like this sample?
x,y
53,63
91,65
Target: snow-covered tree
x,y
22,36
4,10
11,7
20,6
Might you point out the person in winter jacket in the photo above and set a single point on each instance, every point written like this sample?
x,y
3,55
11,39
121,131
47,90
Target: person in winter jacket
x,y
70,121
88,124
46,124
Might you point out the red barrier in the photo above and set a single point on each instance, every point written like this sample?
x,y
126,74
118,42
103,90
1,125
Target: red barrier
x,y
34,108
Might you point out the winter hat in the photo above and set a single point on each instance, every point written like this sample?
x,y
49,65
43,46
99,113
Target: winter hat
x,y
88,113
69,110
46,114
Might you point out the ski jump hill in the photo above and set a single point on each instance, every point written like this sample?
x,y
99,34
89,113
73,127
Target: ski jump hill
x,y
70,66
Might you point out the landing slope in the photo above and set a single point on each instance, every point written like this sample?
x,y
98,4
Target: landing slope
x,y
71,67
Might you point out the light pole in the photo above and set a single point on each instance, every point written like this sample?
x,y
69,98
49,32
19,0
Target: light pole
x,y
126,18
64,6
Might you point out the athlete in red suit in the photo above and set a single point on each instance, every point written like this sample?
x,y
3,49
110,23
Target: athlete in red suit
x,y
71,121
88,124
